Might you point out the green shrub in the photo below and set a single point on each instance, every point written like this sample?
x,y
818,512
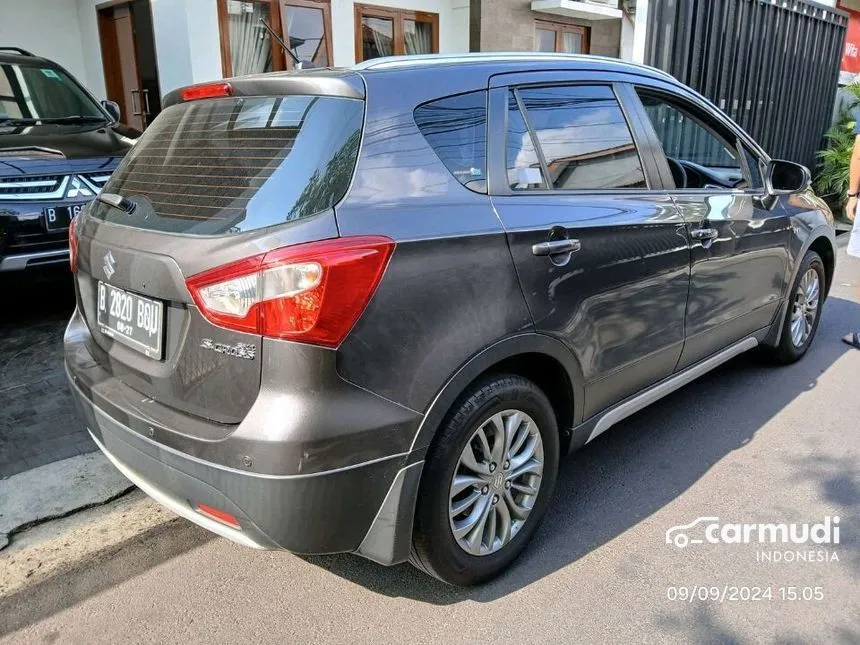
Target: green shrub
x,y
831,175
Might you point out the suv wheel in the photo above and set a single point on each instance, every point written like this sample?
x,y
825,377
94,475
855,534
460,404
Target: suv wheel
x,y
487,481
804,311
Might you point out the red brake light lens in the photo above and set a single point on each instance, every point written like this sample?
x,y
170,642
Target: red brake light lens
x,y
73,244
311,293
206,91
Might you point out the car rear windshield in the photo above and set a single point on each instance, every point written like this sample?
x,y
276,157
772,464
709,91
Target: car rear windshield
x,y
230,165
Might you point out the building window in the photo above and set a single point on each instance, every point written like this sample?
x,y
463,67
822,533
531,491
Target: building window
x,y
561,38
247,47
307,31
382,31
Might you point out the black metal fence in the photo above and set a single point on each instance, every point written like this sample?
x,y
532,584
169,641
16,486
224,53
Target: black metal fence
x,y
772,65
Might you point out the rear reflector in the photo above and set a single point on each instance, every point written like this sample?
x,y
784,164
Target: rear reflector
x,y
73,244
207,91
311,293
221,516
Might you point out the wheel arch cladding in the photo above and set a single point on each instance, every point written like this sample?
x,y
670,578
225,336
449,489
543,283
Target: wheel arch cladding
x,y
823,241
541,359
824,248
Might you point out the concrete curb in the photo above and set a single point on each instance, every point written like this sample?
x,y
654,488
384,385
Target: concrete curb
x,y
57,490
52,548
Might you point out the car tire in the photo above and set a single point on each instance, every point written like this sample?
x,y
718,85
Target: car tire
x,y
492,407
789,350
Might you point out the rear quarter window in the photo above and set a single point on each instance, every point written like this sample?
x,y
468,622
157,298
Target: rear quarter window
x,y
231,165
456,129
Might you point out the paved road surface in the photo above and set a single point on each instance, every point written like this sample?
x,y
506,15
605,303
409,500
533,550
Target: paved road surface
x,y
37,421
748,443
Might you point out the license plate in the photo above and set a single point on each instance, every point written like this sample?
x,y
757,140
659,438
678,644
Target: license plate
x,y
131,319
58,217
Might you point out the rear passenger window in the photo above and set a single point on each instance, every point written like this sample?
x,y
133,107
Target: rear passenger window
x,y
583,136
524,170
456,129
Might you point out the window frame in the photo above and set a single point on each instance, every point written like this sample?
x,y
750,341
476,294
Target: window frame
x,y
561,28
497,133
702,115
325,6
397,16
224,35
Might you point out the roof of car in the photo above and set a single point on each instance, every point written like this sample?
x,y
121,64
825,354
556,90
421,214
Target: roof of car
x,y
18,55
492,59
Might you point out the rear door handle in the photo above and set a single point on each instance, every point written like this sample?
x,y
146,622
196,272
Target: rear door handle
x,y
704,233
555,247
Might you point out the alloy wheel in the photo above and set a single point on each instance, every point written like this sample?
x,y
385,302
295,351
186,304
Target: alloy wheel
x,y
496,482
805,307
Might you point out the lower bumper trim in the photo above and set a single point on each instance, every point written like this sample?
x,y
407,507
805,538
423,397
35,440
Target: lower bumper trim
x,y
176,506
31,260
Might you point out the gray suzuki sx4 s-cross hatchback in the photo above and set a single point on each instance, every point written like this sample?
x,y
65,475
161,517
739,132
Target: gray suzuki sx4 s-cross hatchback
x,y
368,310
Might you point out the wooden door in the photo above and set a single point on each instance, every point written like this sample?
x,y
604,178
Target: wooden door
x,y
122,78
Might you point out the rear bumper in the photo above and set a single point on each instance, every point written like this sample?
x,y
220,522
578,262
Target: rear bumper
x,y
325,512
362,506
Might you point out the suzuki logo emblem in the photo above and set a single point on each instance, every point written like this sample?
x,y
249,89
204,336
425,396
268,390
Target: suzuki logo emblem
x,y
77,188
109,265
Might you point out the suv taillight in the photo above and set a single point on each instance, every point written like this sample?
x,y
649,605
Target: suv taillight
x,y
311,293
73,244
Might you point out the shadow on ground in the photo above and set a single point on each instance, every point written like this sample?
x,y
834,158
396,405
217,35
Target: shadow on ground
x,y
116,564
669,446
38,424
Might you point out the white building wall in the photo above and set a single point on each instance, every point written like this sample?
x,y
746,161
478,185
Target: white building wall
x,y
46,28
187,40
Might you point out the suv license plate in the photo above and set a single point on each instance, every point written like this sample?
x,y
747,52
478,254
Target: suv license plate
x,y
57,218
131,319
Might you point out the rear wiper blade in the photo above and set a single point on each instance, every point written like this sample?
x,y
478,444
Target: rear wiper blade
x,y
117,201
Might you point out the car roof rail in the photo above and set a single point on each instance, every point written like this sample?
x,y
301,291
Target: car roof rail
x,y
23,52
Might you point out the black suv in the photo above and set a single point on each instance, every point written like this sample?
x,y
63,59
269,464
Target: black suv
x,y
58,147
367,310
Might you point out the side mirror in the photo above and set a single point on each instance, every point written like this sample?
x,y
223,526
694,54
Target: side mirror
x,y
786,177
112,108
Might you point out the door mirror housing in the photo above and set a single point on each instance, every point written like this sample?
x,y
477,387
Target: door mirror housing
x,y
112,108
786,177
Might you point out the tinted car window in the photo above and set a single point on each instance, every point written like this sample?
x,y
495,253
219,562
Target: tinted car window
x,y
42,92
584,137
456,129
524,169
238,164
686,138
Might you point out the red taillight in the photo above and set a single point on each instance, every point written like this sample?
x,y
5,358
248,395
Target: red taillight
x,y
221,516
73,244
311,293
206,91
